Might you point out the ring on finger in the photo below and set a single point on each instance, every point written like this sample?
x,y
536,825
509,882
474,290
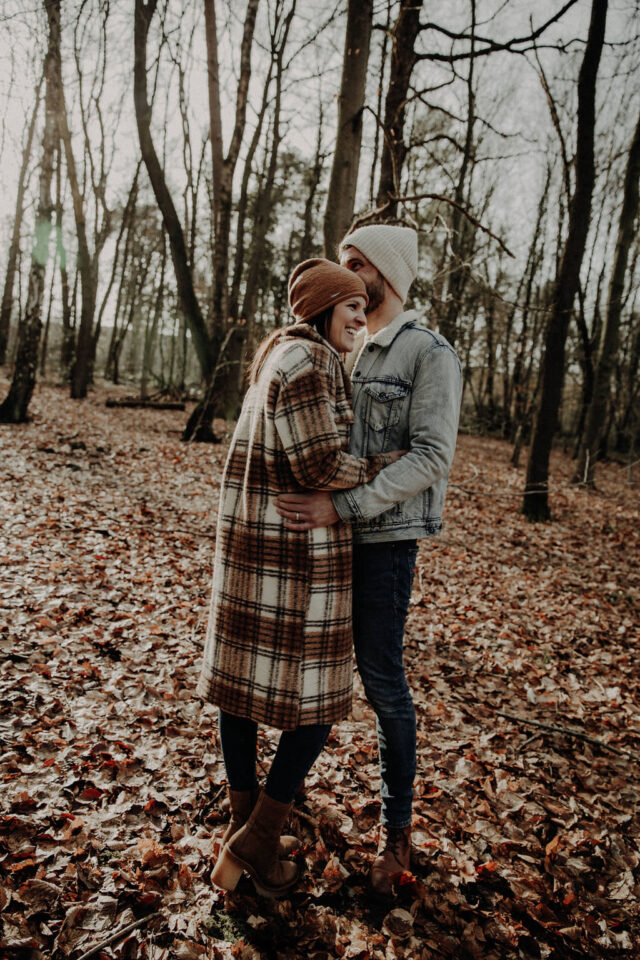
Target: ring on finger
x,y
297,518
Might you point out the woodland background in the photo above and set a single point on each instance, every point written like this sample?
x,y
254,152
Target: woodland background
x,y
174,161
164,165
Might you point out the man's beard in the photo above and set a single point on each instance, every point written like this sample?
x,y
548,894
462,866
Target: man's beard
x,y
375,292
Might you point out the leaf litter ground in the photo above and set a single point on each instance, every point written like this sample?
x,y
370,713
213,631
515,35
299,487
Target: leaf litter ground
x,y
112,786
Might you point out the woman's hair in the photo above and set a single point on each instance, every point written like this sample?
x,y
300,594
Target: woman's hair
x,y
262,351
320,323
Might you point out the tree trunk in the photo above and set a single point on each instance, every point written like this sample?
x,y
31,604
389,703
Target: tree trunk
x,y
313,182
346,158
461,231
67,346
47,325
227,393
585,357
378,114
215,137
223,175
128,223
152,326
243,199
512,393
627,423
596,415
15,407
88,279
403,60
126,220
536,498
186,293
14,247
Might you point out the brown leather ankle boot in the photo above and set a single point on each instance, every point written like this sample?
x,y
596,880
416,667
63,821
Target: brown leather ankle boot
x,y
393,859
241,803
254,849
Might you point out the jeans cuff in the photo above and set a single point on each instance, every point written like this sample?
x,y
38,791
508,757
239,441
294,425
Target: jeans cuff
x,y
401,825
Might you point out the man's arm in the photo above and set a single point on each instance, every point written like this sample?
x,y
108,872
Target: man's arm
x,y
433,428
302,511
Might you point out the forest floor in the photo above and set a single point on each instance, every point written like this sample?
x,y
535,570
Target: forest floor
x,y
527,838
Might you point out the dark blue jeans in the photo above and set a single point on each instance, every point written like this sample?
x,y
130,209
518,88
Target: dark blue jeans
x,y
382,579
297,752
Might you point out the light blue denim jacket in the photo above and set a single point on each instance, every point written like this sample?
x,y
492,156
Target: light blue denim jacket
x,y
407,387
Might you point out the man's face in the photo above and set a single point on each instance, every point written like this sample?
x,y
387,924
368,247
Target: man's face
x,y
352,259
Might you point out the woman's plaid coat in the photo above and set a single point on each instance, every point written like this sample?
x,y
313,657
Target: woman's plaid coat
x,y
279,639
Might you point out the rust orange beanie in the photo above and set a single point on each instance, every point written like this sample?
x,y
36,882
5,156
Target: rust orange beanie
x,y
316,285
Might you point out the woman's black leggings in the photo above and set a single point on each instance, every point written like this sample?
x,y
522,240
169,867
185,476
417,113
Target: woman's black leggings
x,y
296,754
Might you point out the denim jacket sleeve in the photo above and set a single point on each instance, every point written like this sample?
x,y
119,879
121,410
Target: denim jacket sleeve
x,y
433,425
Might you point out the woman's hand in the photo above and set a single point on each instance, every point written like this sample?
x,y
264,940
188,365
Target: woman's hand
x,y
396,454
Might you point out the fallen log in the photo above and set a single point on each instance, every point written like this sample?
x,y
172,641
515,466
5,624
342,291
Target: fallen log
x,y
149,404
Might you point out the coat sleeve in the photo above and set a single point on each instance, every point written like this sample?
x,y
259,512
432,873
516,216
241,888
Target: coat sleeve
x,y
308,431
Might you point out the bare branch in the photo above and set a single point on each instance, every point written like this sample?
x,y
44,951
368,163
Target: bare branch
x,y
491,46
567,732
380,211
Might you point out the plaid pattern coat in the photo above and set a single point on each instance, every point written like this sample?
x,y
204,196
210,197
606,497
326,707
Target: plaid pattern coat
x,y
279,639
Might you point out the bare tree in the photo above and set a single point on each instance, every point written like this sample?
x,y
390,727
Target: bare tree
x,y
226,333
312,182
518,402
346,158
403,59
460,234
144,12
238,262
153,321
227,392
67,345
596,415
6,305
464,45
279,35
224,167
536,499
15,407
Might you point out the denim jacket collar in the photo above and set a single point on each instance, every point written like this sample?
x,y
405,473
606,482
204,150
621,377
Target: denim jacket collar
x,y
387,335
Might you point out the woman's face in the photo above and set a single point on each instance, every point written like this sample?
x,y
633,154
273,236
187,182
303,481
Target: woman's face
x,y
346,322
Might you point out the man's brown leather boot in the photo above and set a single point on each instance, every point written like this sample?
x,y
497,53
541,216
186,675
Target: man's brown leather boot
x,y
393,859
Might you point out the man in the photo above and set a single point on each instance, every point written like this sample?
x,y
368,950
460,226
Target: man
x,y
407,388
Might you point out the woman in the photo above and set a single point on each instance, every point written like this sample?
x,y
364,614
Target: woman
x,y
279,641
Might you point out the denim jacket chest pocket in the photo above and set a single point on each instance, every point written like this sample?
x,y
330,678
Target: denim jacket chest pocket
x,y
382,409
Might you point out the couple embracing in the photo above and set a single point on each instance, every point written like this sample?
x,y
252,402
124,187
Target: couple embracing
x,y
330,481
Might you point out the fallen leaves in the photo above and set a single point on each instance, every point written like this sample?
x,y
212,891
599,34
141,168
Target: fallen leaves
x,y
525,839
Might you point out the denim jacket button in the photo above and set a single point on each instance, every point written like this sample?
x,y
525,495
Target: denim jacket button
x,y
356,373
371,348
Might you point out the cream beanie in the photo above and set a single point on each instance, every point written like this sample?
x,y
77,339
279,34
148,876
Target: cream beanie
x,y
392,250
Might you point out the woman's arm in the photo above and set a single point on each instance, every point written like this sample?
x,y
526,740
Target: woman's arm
x,y
309,434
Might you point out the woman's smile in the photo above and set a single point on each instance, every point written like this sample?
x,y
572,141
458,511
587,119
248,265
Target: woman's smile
x,y
347,321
